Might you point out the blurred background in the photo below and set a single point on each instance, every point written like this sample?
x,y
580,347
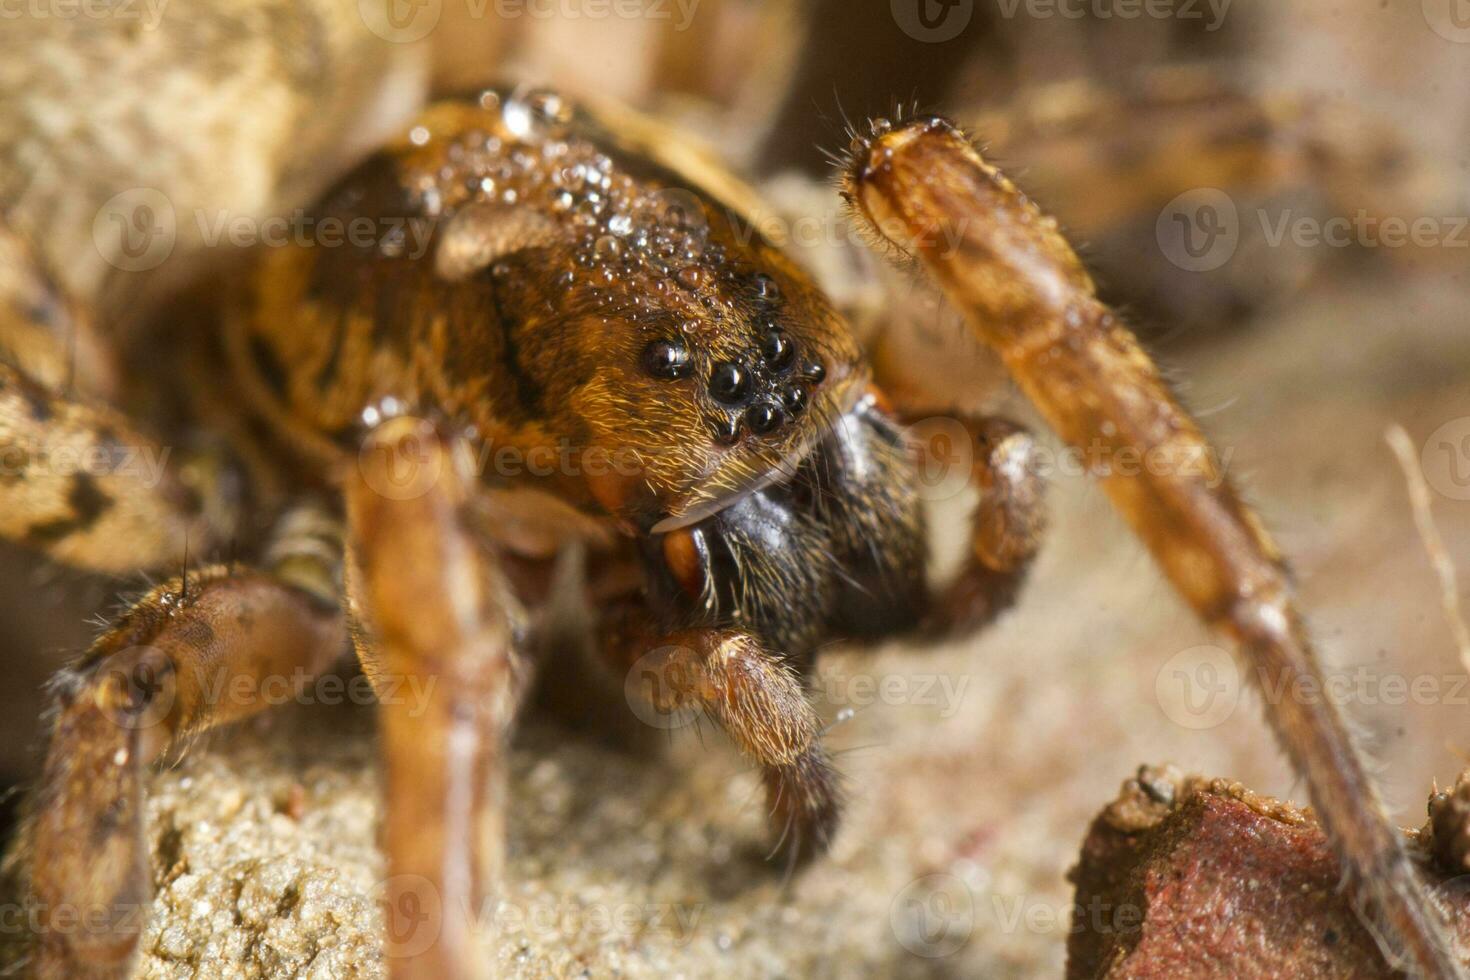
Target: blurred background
x,y
1275,192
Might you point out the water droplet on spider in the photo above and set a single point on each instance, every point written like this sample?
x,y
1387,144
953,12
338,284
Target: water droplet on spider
x,y
517,117
607,247
419,135
573,178
620,224
550,107
589,209
766,288
509,195
563,201
693,277
535,114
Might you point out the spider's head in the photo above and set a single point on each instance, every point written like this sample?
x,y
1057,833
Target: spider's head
x,y
700,382
642,320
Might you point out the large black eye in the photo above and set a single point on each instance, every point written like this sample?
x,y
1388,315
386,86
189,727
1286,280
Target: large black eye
x,y
667,359
729,383
776,348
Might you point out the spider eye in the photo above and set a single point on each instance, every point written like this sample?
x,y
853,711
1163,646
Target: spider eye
x,y
763,418
776,349
727,429
766,288
794,399
666,359
729,383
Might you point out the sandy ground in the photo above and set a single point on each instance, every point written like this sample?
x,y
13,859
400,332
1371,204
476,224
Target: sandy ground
x,y
972,768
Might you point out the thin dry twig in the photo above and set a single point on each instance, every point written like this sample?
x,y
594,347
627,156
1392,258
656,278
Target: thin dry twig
x,y
1439,558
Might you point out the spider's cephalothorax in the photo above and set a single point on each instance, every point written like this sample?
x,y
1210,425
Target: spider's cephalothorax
x,y
558,294
580,297
562,325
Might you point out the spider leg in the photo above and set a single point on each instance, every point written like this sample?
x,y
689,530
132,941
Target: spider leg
x,y
428,604
190,655
81,483
77,479
757,699
1003,263
1006,529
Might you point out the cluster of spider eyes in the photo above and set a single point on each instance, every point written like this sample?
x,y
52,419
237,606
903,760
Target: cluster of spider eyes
x,y
770,388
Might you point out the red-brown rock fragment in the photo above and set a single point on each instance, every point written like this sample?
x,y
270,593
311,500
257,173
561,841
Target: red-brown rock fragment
x,y
1185,877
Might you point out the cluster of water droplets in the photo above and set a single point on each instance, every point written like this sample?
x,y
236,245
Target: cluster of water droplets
x,y
633,243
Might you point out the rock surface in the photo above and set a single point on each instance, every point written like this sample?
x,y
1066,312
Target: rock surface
x,y
1203,878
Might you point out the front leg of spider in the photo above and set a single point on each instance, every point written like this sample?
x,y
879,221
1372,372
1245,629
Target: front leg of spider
x,y
429,610
149,683
924,187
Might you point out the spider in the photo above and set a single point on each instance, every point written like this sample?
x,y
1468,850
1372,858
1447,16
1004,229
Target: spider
x,y
592,310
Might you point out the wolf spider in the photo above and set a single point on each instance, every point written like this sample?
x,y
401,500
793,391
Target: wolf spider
x,y
591,295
